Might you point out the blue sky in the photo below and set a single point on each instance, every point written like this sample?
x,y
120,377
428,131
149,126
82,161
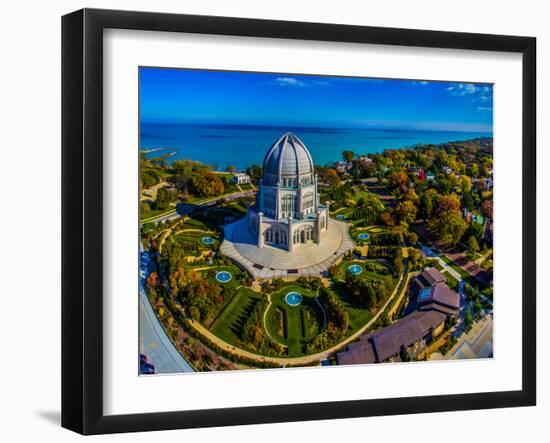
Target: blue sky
x,y
197,96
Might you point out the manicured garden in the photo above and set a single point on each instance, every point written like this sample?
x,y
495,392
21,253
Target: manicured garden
x,y
294,326
229,322
373,272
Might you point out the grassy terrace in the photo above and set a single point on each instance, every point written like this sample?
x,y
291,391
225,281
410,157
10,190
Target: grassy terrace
x,y
236,275
228,323
294,326
359,315
154,213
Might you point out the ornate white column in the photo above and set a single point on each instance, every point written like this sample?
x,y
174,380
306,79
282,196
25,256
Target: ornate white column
x,y
318,227
260,229
290,236
277,202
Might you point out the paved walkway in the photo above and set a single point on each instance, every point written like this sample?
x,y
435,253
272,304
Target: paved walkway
x,y
397,303
183,209
428,252
155,344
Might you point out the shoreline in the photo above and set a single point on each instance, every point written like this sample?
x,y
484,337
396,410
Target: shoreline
x,y
176,154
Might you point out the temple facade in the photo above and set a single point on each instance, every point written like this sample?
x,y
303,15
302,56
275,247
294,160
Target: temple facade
x,y
288,212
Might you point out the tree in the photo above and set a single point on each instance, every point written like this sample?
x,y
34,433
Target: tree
x,y
163,199
387,218
406,212
412,238
487,208
195,313
428,203
398,180
450,227
475,230
231,168
447,222
444,186
329,176
255,172
398,261
468,319
348,156
465,184
411,196
467,200
473,245
207,184
152,280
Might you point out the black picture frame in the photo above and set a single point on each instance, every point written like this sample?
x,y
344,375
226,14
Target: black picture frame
x,y
82,218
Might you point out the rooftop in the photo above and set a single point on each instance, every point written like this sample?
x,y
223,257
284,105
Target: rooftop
x,y
288,157
388,341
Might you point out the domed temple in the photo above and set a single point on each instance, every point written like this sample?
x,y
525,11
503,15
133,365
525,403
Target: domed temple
x,y
288,212
288,232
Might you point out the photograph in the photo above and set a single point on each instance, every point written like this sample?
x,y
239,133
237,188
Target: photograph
x,y
291,220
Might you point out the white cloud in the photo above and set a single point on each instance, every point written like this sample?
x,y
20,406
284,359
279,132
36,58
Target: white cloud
x,y
417,82
289,81
484,108
477,93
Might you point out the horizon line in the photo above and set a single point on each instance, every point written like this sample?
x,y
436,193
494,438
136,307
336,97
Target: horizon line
x,y
309,126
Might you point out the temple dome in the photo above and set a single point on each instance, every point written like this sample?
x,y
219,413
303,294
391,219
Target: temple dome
x,y
287,158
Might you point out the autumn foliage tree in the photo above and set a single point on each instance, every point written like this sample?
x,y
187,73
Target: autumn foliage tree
x,y
447,222
207,184
398,180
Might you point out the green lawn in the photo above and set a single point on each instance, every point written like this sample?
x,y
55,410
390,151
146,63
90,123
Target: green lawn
x,y
451,281
475,283
236,275
228,324
146,215
294,326
453,265
246,187
358,314
378,270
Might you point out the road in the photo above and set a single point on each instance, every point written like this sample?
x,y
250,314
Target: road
x,y
155,344
183,209
153,341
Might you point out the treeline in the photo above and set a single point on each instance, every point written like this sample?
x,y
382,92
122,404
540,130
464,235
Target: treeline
x,y
188,178
385,244
229,355
252,334
337,321
433,184
369,208
368,293
199,296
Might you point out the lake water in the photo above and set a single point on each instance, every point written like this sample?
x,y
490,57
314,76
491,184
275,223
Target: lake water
x,y
242,145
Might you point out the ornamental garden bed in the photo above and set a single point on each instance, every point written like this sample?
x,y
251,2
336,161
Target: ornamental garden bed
x,y
294,326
